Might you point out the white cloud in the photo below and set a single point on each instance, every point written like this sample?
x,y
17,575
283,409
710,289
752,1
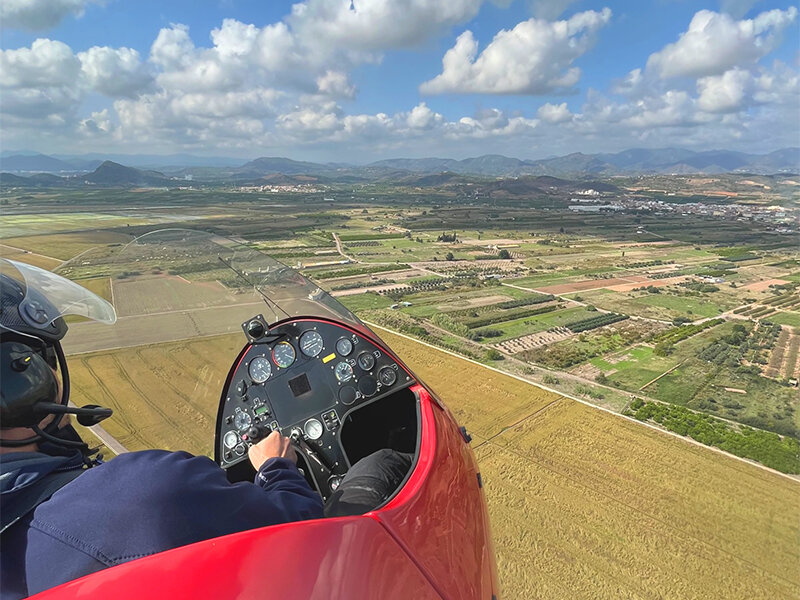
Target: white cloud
x,y
553,113
335,84
40,84
724,93
779,86
315,120
172,48
533,58
115,72
674,108
38,15
422,117
98,124
632,84
716,42
277,88
376,25
46,63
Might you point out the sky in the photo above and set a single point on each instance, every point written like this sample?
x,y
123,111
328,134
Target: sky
x,y
362,80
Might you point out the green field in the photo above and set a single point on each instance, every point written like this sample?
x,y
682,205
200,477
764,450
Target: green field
x,y
656,306
576,498
791,318
367,301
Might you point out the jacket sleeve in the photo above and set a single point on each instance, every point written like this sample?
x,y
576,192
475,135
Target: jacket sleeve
x,y
146,502
289,490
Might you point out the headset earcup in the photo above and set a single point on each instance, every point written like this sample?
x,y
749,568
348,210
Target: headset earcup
x,y
25,379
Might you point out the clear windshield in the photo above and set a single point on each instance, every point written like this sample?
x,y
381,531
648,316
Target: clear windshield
x,y
48,296
179,269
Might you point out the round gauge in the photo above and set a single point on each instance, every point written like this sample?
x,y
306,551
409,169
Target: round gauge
x,y
387,375
231,439
343,372
313,429
311,343
366,361
283,354
344,346
242,420
259,369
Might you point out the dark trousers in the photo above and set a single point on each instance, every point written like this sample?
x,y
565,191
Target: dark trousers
x,y
369,483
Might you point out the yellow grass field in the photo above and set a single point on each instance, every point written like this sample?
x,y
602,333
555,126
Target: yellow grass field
x,y
67,245
584,504
20,255
163,396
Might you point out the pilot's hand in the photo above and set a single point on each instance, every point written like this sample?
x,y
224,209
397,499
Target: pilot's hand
x,y
274,445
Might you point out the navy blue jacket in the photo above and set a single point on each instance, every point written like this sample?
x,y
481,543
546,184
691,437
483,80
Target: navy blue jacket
x,y
136,505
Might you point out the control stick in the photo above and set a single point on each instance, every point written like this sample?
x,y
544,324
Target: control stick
x,y
297,437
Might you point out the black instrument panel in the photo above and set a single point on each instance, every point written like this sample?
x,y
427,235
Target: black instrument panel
x,y
303,382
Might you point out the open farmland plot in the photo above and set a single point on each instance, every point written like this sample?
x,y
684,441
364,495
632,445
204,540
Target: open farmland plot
x,y
162,327
163,293
163,396
786,317
593,284
67,245
791,360
29,258
585,504
662,306
527,325
774,367
31,224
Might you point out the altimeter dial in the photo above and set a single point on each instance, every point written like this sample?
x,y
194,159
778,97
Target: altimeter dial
x,y
259,369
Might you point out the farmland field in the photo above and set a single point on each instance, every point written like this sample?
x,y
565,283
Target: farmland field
x,y
65,246
786,317
577,498
30,258
163,395
168,293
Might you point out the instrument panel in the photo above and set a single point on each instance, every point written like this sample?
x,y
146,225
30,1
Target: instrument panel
x,y
303,382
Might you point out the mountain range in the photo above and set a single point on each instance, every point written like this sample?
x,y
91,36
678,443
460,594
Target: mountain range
x,y
400,170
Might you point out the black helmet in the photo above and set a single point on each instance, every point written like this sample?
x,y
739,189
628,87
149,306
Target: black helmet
x,y
33,303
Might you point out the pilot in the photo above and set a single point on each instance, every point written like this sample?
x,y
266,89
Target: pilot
x,y
66,514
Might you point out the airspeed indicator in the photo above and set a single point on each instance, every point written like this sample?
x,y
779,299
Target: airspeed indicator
x,y
283,354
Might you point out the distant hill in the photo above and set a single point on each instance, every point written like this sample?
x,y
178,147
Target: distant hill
x,y
36,163
635,161
10,179
35,180
628,162
113,174
286,166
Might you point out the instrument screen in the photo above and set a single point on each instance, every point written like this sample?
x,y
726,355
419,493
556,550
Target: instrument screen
x,y
297,398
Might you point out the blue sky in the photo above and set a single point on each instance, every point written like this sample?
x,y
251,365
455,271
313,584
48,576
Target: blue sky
x,y
323,81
